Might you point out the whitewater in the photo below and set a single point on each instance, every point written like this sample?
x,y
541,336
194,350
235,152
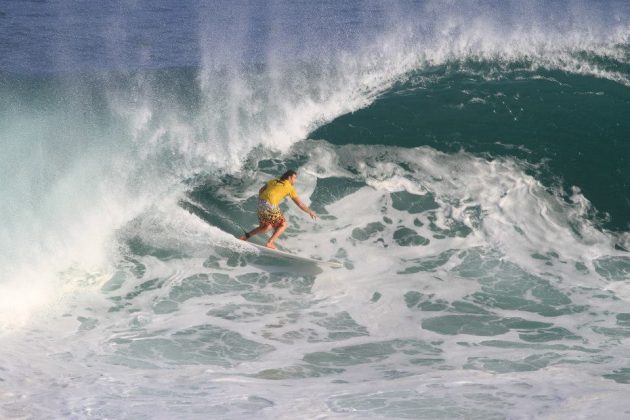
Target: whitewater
x,y
468,161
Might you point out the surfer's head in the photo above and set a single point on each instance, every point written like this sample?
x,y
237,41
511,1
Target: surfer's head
x,y
290,176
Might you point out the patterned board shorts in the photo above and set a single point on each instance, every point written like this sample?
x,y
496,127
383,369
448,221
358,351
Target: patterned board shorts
x,y
268,214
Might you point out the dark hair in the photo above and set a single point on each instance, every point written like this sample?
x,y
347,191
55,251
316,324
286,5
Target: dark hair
x,y
288,174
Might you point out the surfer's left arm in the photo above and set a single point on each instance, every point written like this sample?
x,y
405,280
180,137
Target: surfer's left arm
x,y
303,206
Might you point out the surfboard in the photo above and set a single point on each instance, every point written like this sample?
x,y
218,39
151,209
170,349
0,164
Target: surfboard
x,y
293,257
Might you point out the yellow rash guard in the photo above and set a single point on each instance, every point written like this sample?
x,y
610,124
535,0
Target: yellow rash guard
x,y
275,192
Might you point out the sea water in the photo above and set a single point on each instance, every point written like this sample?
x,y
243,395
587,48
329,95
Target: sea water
x,y
468,161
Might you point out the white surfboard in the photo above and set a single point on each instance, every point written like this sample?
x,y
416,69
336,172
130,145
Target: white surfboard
x,y
293,257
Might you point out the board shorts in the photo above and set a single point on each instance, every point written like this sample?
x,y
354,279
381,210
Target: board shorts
x,y
268,214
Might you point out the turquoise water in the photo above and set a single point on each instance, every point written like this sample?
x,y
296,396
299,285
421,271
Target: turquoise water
x,y
571,125
469,164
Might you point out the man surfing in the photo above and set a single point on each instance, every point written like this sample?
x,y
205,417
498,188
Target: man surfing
x,y
269,215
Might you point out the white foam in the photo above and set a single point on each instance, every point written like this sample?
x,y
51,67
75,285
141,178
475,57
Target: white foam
x,y
370,290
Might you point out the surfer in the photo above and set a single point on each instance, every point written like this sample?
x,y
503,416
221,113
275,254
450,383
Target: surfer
x,y
269,214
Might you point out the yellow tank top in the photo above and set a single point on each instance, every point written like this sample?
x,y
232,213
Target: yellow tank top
x,y
275,192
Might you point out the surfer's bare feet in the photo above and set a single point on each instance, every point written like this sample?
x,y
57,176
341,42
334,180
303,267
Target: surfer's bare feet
x,y
242,238
270,245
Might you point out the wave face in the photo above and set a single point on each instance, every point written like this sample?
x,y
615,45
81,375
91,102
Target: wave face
x,y
469,164
568,125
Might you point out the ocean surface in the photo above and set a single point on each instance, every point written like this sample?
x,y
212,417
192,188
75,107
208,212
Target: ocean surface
x,y
470,163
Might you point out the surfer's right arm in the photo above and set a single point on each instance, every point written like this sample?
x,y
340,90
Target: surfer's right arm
x,y
301,205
